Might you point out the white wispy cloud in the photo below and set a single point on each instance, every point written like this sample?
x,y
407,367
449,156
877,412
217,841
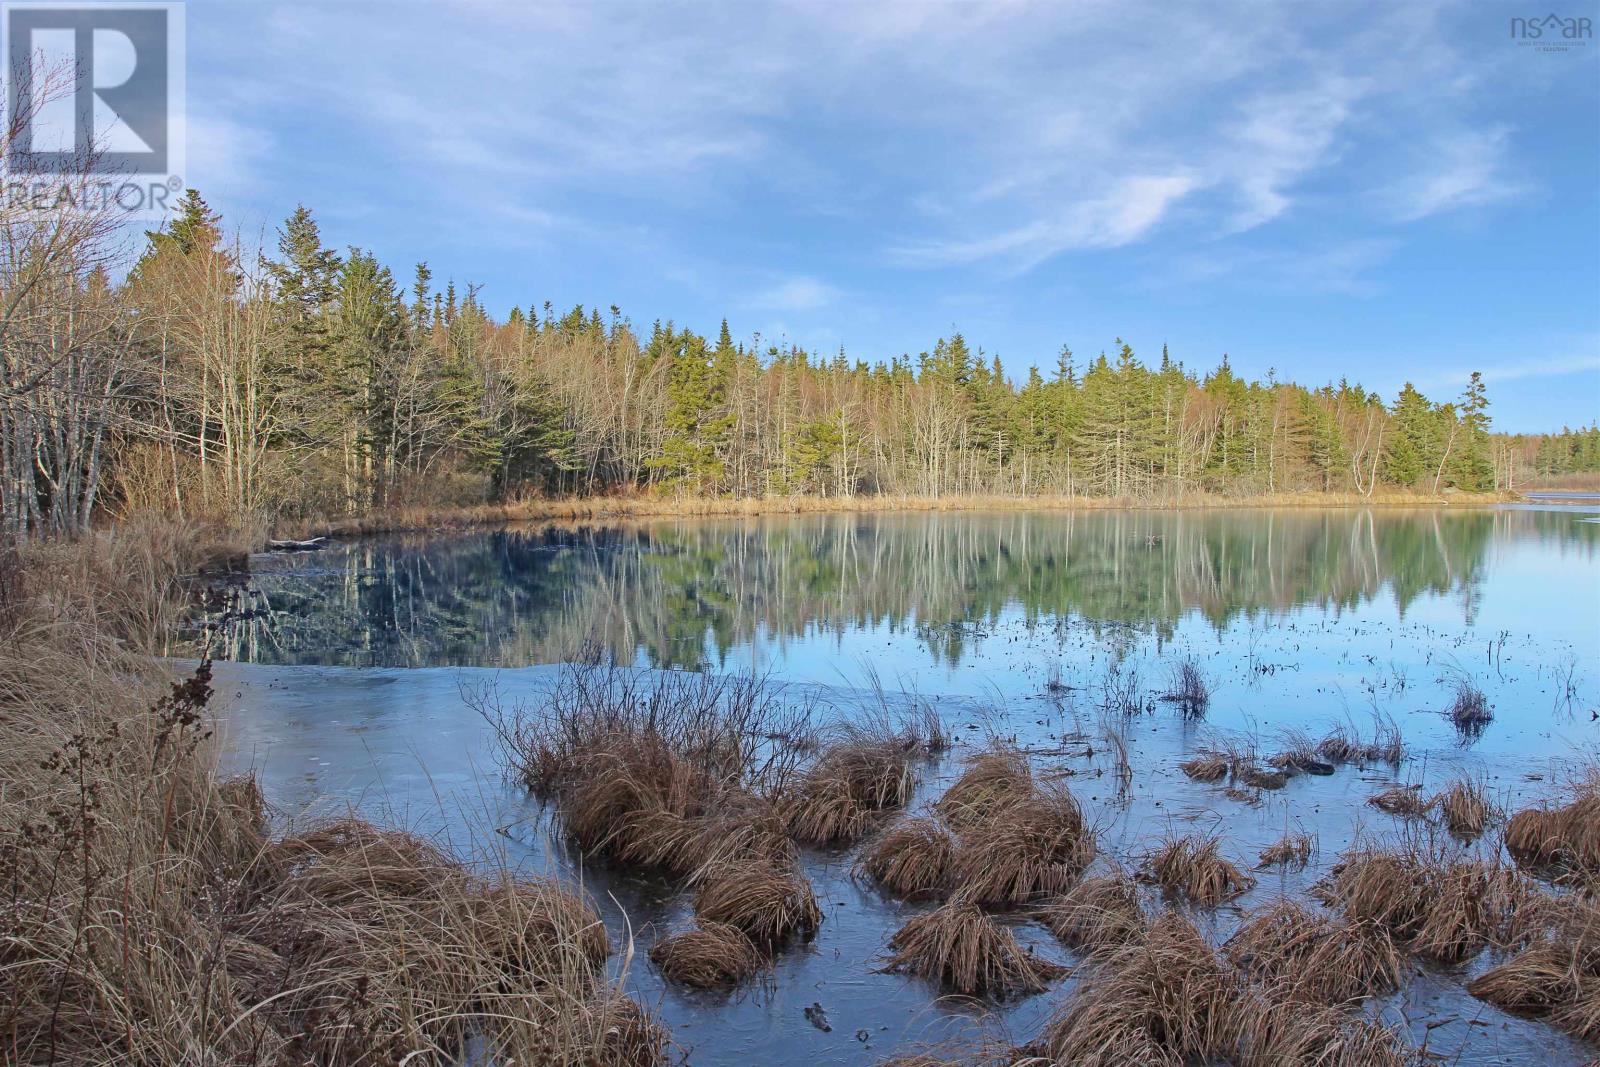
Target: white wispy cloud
x,y
1462,169
794,294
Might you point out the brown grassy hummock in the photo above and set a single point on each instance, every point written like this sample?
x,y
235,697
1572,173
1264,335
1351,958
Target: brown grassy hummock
x,y
713,955
769,906
1098,913
1192,867
1565,839
1166,999
910,858
853,780
1025,850
1297,953
992,778
967,952
1206,765
1557,977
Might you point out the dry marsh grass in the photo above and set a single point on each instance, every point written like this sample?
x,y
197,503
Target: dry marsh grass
x,y
1466,807
154,921
1344,744
1188,688
1166,999
1469,710
1557,976
1192,867
1405,801
769,906
1207,765
1298,954
713,955
863,773
1290,850
992,778
1098,913
910,858
1565,839
967,952
1031,847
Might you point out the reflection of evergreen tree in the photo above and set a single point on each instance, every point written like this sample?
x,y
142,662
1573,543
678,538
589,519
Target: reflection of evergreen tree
x,y
688,594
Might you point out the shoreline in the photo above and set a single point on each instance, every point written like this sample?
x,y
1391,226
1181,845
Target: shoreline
x,y
577,509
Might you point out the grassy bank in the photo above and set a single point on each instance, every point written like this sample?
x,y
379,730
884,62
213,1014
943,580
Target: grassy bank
x,y
544,509
150,915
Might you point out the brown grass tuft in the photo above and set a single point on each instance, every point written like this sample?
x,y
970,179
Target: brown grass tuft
x,y
1298,954
1290,1032
1466,807
853,780
1024,850
1206,765
769,906
1290,850
991,779
1164,1000
910,858
1565,839
1403,800
1098,913
967,952
1192,867
711,956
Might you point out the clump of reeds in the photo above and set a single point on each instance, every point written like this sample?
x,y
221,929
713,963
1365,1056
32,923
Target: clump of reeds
x,y
1256,777
1344,745
1098,913
1033,846
1192,867
1207,765
910,858
1297,953
158,922
768,905
1188,688
1165,999
1469,709
967,952
1440,908
1402,800
1466,807
855,778
994,777
1283,1032
1290,850
1565,838
1299,755
1557,976
710,956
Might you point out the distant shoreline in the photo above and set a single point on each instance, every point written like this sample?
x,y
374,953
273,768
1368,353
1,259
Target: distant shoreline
x,y
578,509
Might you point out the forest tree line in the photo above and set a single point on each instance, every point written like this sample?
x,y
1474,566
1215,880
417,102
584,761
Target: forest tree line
x,y
310,382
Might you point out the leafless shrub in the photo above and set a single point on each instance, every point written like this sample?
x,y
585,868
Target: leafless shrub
x,y
1188,688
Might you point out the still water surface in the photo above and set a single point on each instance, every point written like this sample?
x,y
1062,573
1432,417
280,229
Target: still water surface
x,y
355,662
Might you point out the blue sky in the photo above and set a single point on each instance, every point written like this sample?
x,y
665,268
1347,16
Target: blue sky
x,y
1386,192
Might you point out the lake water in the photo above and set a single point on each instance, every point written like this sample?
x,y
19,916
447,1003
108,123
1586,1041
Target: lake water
x,y
355,665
